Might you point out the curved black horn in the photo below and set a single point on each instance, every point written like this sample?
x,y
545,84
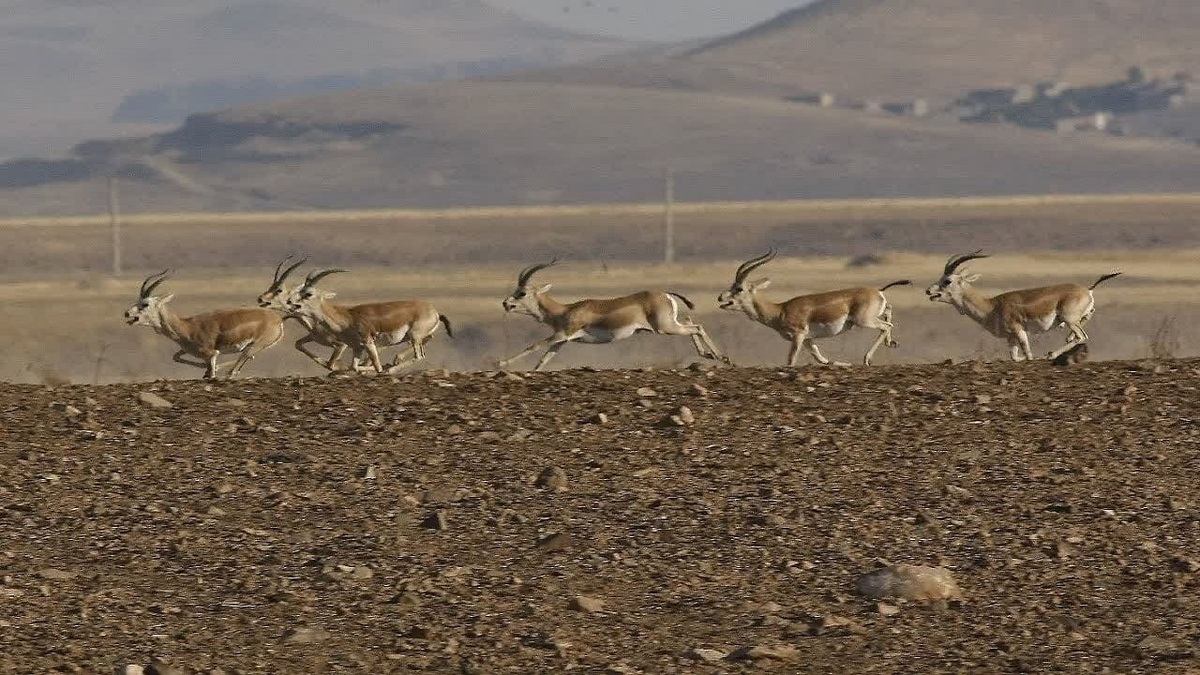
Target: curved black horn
x,y
315,276
527,273
956,260
752,264
281,274
152,283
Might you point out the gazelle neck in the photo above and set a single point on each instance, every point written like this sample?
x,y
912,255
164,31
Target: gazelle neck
x,y
974,304
169,324
549,308
763,310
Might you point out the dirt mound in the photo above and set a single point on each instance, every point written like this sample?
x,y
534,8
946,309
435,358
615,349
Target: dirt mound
x,y
577,519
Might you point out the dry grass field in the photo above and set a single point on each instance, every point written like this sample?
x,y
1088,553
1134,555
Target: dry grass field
x,y
62,316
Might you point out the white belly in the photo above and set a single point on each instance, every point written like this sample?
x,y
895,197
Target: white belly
x,y
596,335
1043,324
823,330
392,338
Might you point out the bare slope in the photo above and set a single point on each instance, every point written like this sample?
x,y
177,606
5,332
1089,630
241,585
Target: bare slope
x,y
513,143
935,49
308,526
69,64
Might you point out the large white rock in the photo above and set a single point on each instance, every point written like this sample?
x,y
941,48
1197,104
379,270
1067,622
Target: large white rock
x,y
911,582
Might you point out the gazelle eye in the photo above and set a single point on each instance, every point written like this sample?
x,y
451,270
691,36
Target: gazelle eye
x,y
519,294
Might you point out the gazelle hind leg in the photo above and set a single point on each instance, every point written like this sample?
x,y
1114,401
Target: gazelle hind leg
x,y
417,355
705,347
1075,335
252,350
882,324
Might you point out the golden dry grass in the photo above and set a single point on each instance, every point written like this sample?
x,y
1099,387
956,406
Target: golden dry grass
x,y
792,210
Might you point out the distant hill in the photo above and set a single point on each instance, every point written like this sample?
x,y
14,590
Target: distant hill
x,y
479,143
71,66
932,49
722,114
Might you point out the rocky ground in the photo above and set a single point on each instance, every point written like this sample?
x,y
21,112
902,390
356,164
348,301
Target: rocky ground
x,y
582,520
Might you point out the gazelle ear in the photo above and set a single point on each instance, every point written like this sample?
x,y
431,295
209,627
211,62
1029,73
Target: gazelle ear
x,y
325,295
971,278
544,288
759,284
166,298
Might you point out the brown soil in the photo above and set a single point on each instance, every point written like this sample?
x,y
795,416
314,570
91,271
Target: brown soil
x,y
380,525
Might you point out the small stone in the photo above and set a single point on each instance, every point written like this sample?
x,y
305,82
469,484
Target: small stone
x,y
152,400
215,511
1154,647
680,418
885,609
583,603
708,655
56,574
763,652
553,478
646,392
161,667
435,521
911,582
369,474
1181,564
833,622
362,573
133,669
698,390
983,399
599,418
558,541
307,635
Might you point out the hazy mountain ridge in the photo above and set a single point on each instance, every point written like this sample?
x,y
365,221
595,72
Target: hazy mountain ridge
x,y
932,49
95,54
719,114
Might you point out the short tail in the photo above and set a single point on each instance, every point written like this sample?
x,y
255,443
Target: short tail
x,y
446,322
685,300
1103,279
902,282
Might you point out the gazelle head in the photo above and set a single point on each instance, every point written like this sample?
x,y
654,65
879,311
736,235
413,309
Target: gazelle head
x,y
740,296
950,287
148,308
306,298
275,297
524,298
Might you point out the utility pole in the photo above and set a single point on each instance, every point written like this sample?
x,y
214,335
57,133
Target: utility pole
x,y
114,223
669,215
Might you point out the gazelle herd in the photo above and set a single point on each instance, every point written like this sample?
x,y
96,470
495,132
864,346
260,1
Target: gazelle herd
x,y
365,328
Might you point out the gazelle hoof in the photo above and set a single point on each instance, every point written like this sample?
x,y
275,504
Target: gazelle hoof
x,y
892,344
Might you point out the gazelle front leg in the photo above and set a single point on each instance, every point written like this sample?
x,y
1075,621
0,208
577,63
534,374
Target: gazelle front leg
x,y
550,354
812,348
324,363
1021,336
373,352
504,363
178,358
